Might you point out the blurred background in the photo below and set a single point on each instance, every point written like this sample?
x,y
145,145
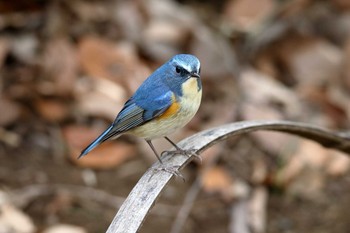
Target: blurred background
x,y
67,67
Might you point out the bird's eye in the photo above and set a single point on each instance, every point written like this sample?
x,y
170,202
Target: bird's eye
x,y
178,69
199,71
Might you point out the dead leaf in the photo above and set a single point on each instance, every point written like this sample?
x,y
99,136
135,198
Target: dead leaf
x,y
265,98
100,97
309,155
64,228
342,5
4,49
24,47
118,62
166,32
266,94
260,171
330,104
311,61
131,28
309,185
217,180
10,111
338,164
52,110
258,209
164,38
106,100
60,63
211,154
345,78
247,15
218,58
16,220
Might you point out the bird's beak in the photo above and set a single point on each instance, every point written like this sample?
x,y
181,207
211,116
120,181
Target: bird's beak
x,y
195,75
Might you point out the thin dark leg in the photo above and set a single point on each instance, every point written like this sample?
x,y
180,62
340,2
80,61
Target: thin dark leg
x,y
182,151
173,170
173,143
154,150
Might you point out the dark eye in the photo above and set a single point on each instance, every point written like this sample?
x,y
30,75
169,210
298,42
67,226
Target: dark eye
x,y
199,71
178,69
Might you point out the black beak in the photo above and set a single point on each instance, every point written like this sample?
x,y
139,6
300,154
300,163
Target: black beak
x,y
195,75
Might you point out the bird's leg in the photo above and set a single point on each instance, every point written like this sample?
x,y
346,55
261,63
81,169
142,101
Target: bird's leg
x,y
154,150
182,151
172,170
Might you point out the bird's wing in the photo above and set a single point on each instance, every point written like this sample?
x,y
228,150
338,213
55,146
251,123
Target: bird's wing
x,y
139,111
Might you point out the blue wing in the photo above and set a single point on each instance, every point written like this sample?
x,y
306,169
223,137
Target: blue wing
x,y
137,110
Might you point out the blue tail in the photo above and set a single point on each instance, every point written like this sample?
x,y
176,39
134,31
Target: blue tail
x,y
103,137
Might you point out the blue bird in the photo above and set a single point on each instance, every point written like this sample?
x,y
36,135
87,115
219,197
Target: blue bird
x,y
167,100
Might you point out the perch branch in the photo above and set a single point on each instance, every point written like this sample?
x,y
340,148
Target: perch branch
x,y
135,208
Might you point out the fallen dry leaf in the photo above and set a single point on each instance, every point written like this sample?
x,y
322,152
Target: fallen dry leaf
x,y
247,15
309,155
330,105
343,5
166,32
4,49
345,78
218,180
309,185
131,28
311,61
52,110
267,94
64,228
105,100
10,111
164,38
338,164
15,220
258,209
60,63
25,46
118,62
211,154
260,171
312,154
265,98
217,56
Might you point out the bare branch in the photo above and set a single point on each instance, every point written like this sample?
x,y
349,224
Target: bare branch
x,y
134,210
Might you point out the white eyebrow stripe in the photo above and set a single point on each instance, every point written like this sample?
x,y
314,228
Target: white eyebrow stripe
x,y
188,67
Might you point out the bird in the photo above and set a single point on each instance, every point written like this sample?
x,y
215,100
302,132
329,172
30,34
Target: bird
x,y
166,101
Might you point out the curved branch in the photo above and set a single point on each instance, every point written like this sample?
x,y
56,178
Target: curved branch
x,y
139,202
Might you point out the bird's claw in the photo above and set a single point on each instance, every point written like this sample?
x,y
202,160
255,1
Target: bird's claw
x,y
174,170
188,153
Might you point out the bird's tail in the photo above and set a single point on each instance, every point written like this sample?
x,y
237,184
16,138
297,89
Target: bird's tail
x,y
108,133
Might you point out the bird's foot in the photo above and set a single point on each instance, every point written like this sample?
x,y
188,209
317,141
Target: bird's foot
x,y
174,170
188,153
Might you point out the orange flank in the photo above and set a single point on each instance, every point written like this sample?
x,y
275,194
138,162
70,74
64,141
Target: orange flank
x,y
172,110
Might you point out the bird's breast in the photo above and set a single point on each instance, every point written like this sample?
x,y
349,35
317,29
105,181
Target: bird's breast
x,y
177,115
191,96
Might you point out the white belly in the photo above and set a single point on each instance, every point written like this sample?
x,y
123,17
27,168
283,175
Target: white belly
x,y
189,104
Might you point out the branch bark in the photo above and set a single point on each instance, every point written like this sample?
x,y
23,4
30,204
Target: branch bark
x,y
135,208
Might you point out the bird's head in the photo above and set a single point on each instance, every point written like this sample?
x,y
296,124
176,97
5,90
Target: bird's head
x,y
184,66
181,69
